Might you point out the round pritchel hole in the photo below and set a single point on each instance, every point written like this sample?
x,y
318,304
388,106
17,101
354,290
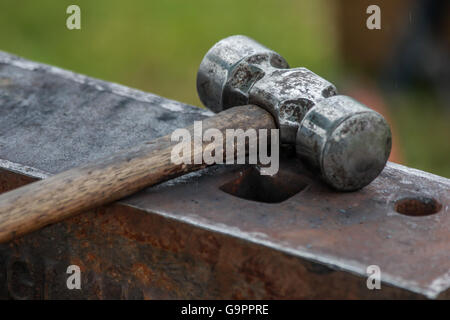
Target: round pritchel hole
x,y
417,206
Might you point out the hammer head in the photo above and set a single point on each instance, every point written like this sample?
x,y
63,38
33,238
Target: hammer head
x,y
238,70
348,142
230,68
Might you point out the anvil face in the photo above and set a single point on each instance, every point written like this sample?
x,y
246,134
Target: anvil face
x,y
223,232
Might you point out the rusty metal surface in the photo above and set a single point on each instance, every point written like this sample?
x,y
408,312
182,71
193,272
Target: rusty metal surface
x,y
346,231
207,234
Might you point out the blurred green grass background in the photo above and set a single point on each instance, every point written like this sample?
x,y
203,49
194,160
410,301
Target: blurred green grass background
x,y
157,46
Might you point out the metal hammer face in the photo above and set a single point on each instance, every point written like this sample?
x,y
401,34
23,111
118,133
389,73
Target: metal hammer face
x,y
347,141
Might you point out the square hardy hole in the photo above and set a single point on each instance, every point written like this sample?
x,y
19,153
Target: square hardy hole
x,y
251,185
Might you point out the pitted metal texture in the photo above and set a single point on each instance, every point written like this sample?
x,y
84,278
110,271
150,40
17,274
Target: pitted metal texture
x,y
238,70
348,142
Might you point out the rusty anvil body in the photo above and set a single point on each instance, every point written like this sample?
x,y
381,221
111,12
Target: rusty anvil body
x,y
224,232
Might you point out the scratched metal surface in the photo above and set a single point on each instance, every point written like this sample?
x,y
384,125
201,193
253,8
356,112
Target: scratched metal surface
x,y
52,119
187,238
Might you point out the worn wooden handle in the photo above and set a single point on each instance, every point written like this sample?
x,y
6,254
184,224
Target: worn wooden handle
x,y
38,204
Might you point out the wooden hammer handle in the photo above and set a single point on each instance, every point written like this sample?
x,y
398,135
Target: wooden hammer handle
x,y
38,204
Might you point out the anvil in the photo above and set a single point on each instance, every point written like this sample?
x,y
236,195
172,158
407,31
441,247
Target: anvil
x,y
225,232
